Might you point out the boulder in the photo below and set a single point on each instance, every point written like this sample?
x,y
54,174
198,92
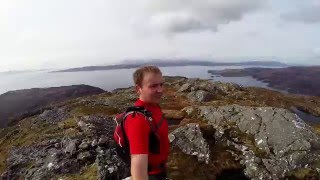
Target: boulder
x,y
110,166
71,146
103,141
55,115
190,140
84,156
84,145
200,96
185,88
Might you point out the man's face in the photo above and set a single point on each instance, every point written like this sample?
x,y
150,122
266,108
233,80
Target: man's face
x,y
152,88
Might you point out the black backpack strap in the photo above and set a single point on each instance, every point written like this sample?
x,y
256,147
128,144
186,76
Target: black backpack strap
x,y
140,109
132,111
160,122
148,116
126,141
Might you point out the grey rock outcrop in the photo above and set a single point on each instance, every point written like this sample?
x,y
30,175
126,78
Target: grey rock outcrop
x,y
185,88
190,140
110,166
62,156
71,146
54,115
281,141
205,90
200,96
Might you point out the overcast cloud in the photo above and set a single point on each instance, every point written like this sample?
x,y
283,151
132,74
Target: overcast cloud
x,y
191,15
37,34
307,12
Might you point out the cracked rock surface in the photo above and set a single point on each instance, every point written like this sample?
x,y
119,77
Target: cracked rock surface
x,y
282,141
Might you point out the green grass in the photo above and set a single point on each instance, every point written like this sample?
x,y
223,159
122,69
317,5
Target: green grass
x,y
3,158
38,133
316,128
68,123
105,110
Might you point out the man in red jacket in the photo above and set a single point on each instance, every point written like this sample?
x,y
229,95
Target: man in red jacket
x,y
147,161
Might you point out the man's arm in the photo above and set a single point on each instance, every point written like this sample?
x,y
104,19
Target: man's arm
x,y
139,166
138,130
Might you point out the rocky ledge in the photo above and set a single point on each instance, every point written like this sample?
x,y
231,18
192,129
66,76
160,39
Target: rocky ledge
x,y
217,131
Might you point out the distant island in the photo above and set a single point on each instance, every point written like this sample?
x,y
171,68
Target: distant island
x,y
168,63
298,79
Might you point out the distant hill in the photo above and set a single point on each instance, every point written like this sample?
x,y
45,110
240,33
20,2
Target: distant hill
x,y
16,105
298,79
168,63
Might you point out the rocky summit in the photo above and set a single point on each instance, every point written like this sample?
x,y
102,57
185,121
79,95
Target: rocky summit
x,y
217,131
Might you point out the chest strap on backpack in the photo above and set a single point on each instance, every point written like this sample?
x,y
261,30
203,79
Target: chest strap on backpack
x,y
160,122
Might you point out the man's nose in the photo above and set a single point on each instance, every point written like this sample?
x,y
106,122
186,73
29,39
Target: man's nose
x,y
160,89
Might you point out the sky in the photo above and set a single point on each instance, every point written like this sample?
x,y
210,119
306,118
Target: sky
x,y
42,34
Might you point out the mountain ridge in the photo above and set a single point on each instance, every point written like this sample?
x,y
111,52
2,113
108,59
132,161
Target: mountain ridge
x,y
168,63
217,130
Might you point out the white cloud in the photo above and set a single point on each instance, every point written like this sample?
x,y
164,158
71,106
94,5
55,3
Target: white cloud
x,y
307,12
316,51
61,34
176,16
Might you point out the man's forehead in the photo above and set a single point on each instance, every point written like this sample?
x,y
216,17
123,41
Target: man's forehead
x,y
152,78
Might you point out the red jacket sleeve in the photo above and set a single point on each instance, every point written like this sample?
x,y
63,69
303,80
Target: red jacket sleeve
x,y
137,130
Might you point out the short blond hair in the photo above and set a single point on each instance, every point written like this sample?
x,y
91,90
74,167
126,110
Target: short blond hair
x,y
140,72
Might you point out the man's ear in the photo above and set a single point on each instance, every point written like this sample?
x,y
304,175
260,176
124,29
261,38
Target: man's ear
x,y
138,88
